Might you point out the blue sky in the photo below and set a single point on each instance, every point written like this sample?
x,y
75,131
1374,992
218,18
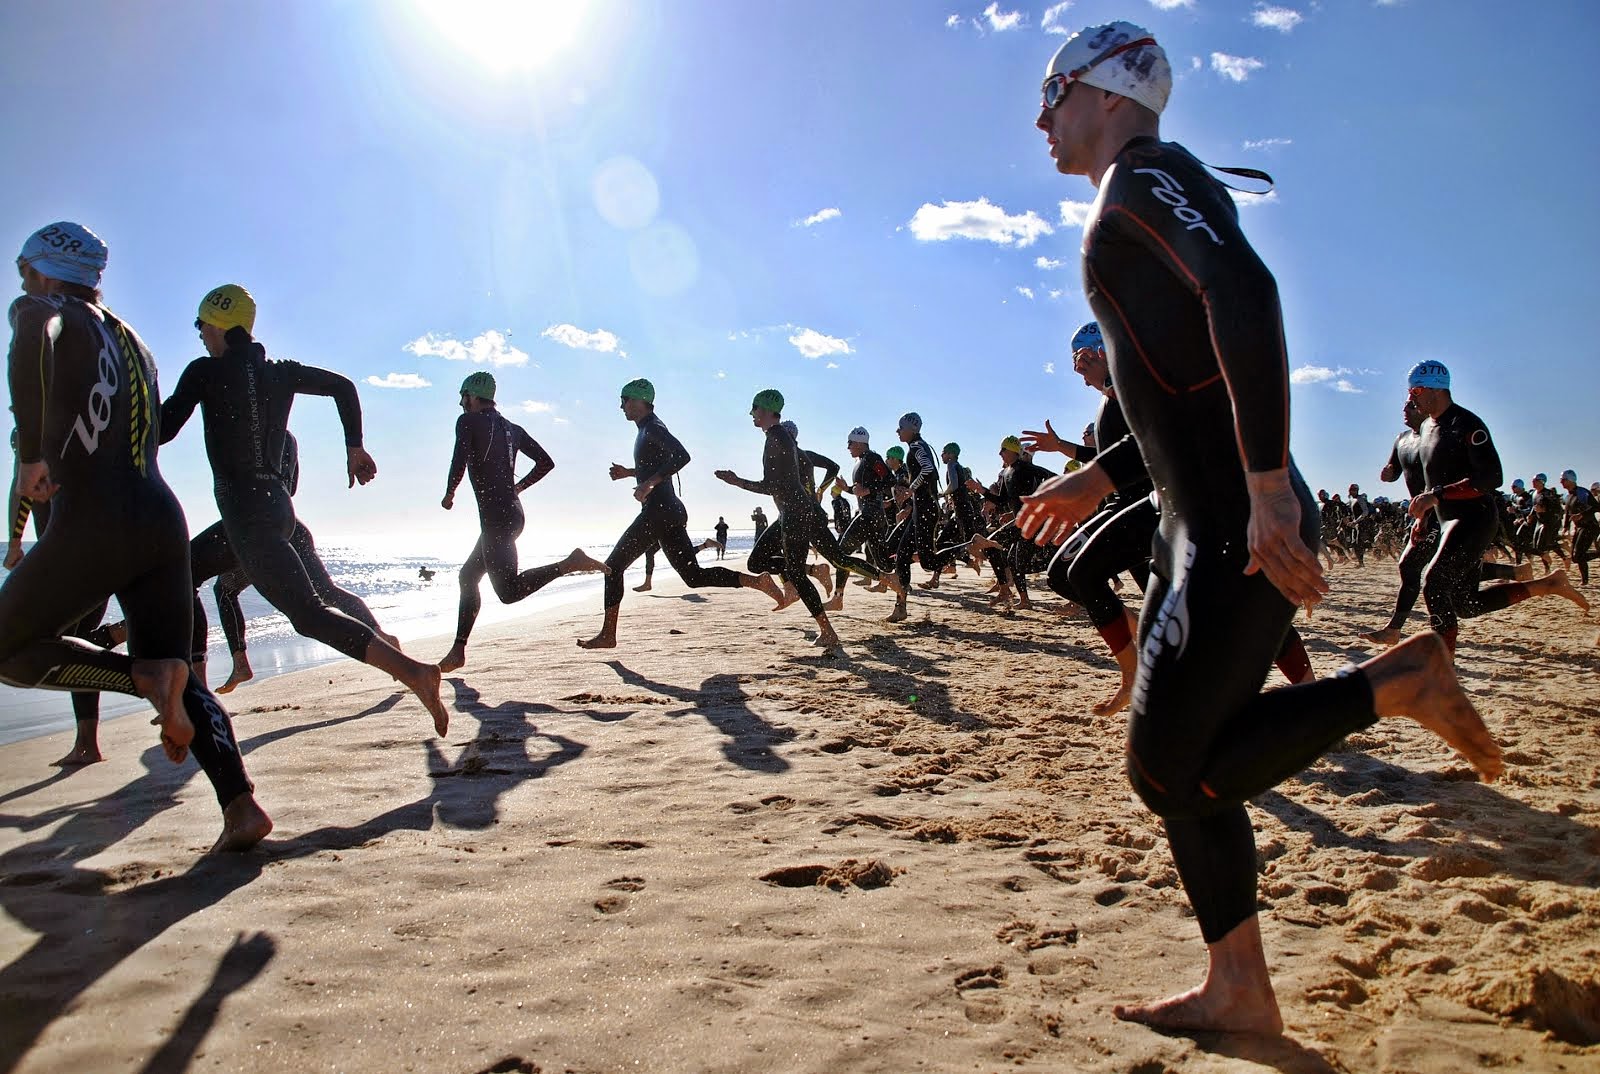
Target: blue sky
x,y
846,201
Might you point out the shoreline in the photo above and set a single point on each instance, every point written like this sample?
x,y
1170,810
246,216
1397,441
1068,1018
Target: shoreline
x,y
713,849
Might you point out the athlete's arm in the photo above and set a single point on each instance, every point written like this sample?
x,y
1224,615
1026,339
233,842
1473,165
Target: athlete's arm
x,y
1484,474
1062,502
670,455
176,408
458,461
289,467
1391,470
1122,463
20,508
829,468
34,329
542,462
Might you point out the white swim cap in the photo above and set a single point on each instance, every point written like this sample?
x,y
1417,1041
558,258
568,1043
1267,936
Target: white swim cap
x,y
858,435
1119,57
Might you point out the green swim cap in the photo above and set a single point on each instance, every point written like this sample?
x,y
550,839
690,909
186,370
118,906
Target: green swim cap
x,y
952,448
640,389
480,384
896,452
768,399
1011,443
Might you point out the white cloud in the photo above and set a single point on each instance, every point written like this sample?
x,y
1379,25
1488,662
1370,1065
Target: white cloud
x,y
1237,68
1171,5
489,348
1001,21
821,216
1315,374
1026,292
813,344
1342,385
833,365
1282,19
1055,295
1195,63
1245,198
952,22
1074,213
1268,143
722,374
398,380
561,421
1050,22
1047,263
534,406
570,335
1049,367
980,219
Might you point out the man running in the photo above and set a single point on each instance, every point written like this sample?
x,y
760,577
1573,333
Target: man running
x,y
1405,460
1195,340
244,402
1583,515
83,386
487,446
921,494
663,520
1462,469
872,482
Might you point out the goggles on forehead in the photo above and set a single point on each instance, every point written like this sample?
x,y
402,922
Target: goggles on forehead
x,y
1055,88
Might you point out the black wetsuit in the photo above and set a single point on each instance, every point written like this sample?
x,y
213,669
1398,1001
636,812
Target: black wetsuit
x,y
487,446
919,535
1021,478
870,528
662,517
1462,468
244,401
722,538
1584,513
962,504
1183,301
841,514
1547,512
1406,457
83,386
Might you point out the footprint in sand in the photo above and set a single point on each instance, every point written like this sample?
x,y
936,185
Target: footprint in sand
x,y
625,883
979,988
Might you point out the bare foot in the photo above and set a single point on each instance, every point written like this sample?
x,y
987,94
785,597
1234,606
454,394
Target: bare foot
x,y
424,682
1417,680
828,640
931,583
899,613
580,562
1561,586
161,683
1117,701
1385,637
244,824
393,642
455,659
823,577
241,673
603,640
1209,1009
642,587
837,603
891,583
81,754
1024,603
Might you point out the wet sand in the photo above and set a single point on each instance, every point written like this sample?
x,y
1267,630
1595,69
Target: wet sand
x,y
714,849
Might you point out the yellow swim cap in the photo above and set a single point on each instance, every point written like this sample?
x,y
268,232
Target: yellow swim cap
x,y
229,306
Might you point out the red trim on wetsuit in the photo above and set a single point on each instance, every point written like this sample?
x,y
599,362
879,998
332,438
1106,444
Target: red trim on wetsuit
x,y
1117,634
1459,490
1144,773
1132,336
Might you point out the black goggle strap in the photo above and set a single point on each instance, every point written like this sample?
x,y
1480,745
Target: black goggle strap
x,y
1244,173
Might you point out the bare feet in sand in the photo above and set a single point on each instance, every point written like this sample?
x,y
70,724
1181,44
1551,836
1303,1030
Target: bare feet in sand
x,y
1417,680
899,613
455,659
1236,996
1385,637
823,577
580,562
161,682
1557,584
602,640
244,824
644,586
1116,702
425,684
241,673
891,583
82,754
837,603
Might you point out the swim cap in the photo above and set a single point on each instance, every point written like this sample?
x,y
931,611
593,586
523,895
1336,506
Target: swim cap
x,y
1011,443
480,384
911,420
67,252
1543,480
768,399
1088,336
1517,484
858,435
952,448
1429,375
640,389
1570,475
229,306
897,452
1119,57
791,428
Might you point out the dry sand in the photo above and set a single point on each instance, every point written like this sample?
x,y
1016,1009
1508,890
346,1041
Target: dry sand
x,y
713,849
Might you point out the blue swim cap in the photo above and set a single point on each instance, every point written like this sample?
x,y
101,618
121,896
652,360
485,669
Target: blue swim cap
x,y
1429,375
1517,484
1541,478
67,252
1570,475
1088,336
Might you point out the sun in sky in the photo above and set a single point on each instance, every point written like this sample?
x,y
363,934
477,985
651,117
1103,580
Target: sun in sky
x,y
505,36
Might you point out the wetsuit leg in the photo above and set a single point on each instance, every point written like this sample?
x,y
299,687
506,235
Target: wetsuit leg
x,y
500,559
795,550
1451,584
1583,540
1412,562
1203,738
229,585
258,523
210,556
867,531
669,525
85,703
472,572
1120,543
629,547
766,555
820,537
322,582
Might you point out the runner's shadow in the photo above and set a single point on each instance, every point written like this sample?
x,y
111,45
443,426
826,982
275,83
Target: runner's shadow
x,y
50,780
1283,1054
748,739
242,964
913,680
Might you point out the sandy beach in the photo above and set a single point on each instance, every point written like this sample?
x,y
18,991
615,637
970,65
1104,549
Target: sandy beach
x,y
712,849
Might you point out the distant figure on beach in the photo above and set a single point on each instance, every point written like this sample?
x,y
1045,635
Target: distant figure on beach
x,y
244,402
487,446
425,574
759,517
722,537
663,520
83,386
1194,335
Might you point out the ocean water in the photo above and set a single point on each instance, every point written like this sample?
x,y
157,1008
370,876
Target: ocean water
x,y
381,571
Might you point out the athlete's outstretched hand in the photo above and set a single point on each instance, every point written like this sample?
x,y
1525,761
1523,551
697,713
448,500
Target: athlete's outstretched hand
x,y
1421,504
13,555
1045,441
360,466
619,471
1276,547
1062,502
33,481
449,501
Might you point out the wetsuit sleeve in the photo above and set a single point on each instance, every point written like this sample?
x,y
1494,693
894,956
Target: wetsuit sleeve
x,y
670,455
458,461
309,380
1484,474
34,328
829,468
290,466
542,462
1207,252
1122,463
1392,470
176,408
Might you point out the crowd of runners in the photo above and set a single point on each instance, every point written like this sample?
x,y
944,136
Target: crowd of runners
x,y
1183,485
